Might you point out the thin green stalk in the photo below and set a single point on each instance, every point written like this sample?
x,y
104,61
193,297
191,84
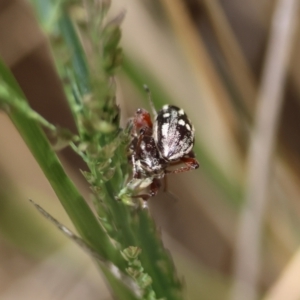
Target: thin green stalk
x,y
103,145
76,207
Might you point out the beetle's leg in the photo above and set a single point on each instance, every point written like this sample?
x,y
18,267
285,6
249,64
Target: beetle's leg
x,y
154,112
134,168
153,190
190,162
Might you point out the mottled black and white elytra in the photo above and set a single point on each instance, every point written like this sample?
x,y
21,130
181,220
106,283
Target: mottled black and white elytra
x,y
173,133
147,156
156,147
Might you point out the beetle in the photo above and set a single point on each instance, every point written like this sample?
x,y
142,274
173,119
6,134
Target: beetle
x,y
156,146
174,136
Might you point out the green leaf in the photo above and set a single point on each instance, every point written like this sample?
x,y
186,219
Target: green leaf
x,y
74,204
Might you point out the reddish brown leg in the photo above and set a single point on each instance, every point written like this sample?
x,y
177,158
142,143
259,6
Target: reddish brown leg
x,y
190,162
153,190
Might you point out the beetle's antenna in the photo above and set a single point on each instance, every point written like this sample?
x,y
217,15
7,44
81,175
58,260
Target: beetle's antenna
x,y
154,112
